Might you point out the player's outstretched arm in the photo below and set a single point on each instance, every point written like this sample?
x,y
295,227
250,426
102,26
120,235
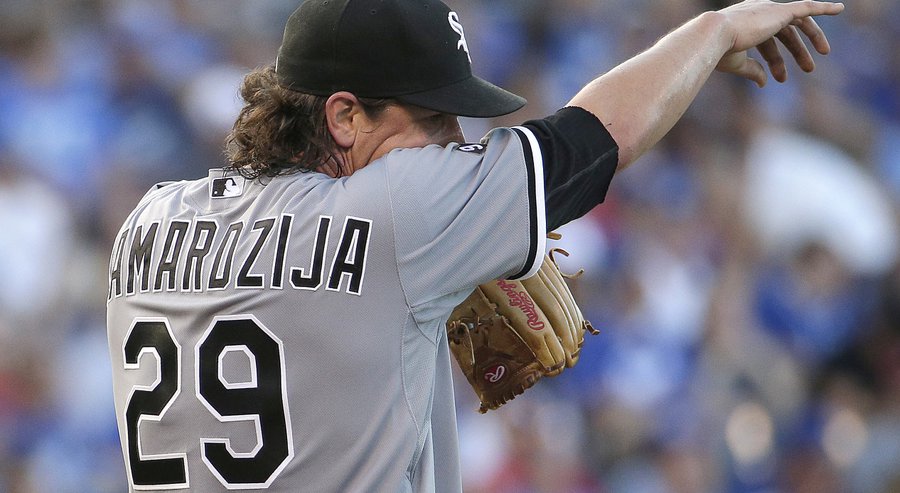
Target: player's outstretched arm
x,y
640,100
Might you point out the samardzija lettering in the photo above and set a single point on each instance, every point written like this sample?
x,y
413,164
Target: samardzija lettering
x,y
203,255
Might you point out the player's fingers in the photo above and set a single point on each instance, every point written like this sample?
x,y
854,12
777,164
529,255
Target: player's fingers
x,y
753,70
808,8
769,51
740,64
815,34
790,38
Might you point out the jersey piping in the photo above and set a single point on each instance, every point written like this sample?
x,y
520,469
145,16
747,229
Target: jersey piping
x,y
534,164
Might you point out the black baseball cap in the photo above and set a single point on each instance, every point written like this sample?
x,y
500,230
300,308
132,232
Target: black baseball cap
x,y
414,51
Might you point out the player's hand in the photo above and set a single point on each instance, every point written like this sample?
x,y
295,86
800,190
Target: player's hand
x,y
758,23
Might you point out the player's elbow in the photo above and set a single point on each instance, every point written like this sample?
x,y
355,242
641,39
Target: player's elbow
x,y
628,133
627,141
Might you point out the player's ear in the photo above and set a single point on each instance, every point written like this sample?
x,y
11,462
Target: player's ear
x,y
342,114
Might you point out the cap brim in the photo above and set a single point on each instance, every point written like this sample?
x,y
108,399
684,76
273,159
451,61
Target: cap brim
x,y
473,97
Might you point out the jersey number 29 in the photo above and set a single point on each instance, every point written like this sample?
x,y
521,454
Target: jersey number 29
x,y
261,400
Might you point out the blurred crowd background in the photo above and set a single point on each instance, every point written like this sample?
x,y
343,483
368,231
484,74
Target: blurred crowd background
x,y
744,274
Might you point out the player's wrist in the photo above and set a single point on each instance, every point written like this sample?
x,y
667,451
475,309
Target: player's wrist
x,y
721,33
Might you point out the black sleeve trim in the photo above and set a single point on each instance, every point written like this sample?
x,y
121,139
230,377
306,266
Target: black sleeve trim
x,y
579,160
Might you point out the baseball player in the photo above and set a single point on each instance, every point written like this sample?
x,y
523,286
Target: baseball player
x,y
280,323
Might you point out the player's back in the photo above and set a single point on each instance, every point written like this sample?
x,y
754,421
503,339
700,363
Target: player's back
x,y
260,338
291,336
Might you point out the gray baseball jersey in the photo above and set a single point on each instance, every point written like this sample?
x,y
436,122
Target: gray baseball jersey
x,y
290,336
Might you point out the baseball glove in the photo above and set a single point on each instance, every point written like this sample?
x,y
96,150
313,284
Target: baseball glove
x,y
508,334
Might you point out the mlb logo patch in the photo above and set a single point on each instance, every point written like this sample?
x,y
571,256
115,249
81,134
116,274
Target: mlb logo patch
x,y
231,186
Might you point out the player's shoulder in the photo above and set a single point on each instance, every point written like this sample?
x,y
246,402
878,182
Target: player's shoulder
x,y
163,189
161,194
496,142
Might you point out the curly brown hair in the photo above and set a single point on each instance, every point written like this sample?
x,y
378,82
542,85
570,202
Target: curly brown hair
x,y
281,131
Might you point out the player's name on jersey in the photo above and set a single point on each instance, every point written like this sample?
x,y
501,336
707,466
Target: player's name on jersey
x,y
203,255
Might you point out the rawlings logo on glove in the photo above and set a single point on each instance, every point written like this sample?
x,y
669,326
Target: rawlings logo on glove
x,y
495,374
497,334
520,299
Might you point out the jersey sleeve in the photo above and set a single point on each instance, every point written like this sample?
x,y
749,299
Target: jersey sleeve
x,y
464,215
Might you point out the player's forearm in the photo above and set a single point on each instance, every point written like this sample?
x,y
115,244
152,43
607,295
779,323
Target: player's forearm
x,y
640,100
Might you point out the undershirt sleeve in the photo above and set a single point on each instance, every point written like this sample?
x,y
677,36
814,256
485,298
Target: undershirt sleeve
x,y
579,160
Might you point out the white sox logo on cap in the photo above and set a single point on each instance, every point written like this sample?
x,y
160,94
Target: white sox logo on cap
x,y
453,19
